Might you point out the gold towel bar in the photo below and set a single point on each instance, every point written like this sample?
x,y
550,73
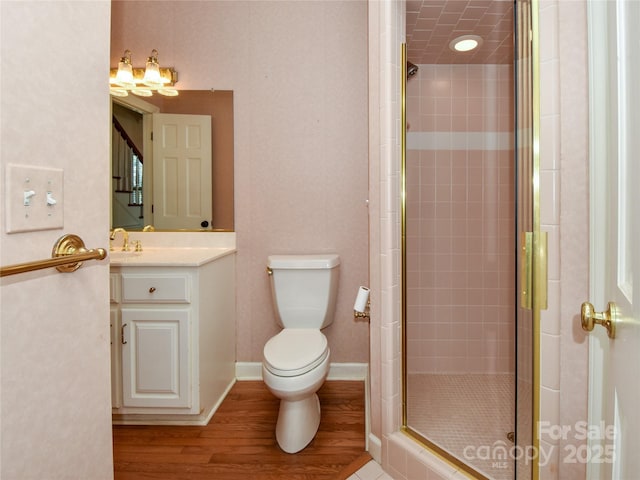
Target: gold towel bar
x,y
67,256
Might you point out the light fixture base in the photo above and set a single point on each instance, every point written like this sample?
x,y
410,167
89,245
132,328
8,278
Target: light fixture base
x,y
168,74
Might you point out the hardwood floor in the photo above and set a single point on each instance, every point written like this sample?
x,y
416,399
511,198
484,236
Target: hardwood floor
x,y
240,443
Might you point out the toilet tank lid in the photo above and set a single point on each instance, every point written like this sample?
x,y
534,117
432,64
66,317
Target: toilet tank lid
x,y
326,260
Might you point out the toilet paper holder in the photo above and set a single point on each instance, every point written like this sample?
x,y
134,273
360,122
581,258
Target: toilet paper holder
x,y
364,314
362,303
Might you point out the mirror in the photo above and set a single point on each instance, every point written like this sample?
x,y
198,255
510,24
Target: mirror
x,y
135,186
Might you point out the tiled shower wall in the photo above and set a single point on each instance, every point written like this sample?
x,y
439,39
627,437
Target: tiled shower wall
x,y
460,219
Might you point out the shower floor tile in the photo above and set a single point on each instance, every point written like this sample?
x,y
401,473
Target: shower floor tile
x,y
468,415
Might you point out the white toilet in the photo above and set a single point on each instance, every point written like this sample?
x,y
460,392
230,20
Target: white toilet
x,y
296,361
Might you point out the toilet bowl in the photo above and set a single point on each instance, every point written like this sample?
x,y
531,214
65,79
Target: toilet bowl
x,y
295,382
296,360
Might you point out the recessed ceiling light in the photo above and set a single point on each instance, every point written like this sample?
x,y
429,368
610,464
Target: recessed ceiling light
x,y
465,43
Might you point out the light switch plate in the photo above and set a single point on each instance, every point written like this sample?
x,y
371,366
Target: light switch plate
x,y
34,198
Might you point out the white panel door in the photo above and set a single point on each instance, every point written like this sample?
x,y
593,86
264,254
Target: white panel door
x,y
614,387
181,171
155,358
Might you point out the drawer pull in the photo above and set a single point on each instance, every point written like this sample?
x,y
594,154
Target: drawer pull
x,y
122,340
152,289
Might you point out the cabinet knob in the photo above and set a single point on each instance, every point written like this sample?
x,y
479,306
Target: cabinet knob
x,y
152,289
122,340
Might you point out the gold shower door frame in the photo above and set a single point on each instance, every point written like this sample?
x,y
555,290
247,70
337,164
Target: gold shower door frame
x,y
531,273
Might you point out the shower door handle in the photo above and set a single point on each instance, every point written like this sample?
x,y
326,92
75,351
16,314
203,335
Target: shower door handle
x,y
608,319
533,270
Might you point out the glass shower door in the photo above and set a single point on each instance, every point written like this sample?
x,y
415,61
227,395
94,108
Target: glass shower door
x,y
470,241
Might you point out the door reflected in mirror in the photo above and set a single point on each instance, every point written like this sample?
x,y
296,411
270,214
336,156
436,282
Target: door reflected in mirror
x,y
178,174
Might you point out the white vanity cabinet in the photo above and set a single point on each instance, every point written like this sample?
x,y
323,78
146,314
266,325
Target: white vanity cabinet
x,y
173,340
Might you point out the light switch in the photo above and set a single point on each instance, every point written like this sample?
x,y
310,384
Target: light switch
x,y
34,198
27,197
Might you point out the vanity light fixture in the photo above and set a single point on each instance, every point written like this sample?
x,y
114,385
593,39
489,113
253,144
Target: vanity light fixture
x,y
142,81
465,43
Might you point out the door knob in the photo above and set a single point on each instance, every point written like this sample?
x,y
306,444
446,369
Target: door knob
x,y
607,319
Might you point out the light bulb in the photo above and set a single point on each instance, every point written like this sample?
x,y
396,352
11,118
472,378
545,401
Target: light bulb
x,y
465,43
152,71
124,77
168,91
141,92
118,92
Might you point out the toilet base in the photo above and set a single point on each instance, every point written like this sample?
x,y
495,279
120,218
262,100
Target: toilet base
x,y
298,422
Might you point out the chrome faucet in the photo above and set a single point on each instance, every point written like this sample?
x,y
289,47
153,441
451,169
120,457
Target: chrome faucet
x,y
125,238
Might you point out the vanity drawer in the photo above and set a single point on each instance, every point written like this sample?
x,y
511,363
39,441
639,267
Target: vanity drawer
x,y
155,288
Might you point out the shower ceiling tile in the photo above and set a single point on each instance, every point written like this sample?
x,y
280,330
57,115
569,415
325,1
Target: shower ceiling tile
x,y
432,24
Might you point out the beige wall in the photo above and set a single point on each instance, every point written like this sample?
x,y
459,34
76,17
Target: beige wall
x,y
299,75
54,372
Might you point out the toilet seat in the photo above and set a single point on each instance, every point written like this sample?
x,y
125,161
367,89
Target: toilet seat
x,y
295,351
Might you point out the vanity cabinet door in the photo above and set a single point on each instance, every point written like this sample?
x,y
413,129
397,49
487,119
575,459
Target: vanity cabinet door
x,y
116,378
155,357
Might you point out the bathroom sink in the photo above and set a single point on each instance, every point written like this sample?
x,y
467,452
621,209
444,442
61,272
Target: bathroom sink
x,y
120,256
152,257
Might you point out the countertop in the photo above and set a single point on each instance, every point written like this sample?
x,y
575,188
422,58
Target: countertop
x,y
168,257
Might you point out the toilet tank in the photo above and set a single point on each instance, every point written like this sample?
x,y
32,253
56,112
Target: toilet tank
x,y
304,289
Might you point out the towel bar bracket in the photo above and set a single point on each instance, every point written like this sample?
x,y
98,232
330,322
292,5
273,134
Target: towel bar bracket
x,y
67,256
66,245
